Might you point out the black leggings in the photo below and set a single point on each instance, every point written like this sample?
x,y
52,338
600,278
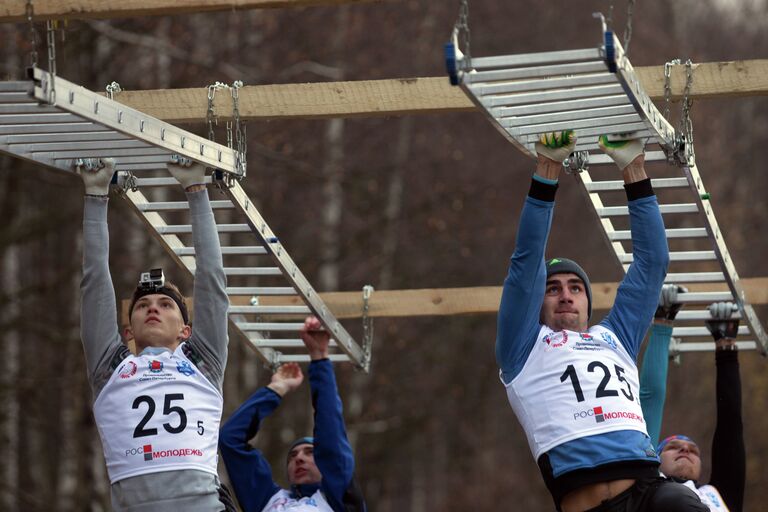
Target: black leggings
x,y
654,495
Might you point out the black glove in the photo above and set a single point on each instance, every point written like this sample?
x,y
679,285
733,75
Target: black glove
x,y
668,304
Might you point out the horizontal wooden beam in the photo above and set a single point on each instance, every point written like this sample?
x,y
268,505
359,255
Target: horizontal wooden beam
x,y
455,301
15,12
391,97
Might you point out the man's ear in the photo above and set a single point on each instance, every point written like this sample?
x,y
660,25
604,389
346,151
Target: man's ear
x,y
128,333
185,332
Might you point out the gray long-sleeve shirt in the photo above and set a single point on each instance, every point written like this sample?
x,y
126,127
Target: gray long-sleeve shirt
x,y
189,490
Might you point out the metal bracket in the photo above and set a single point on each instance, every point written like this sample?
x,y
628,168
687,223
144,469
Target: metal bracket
x,y
367,327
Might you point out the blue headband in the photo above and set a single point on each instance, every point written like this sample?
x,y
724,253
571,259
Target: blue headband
x,y
664,443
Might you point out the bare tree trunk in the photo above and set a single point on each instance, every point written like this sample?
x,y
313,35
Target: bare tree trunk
x,y
9,369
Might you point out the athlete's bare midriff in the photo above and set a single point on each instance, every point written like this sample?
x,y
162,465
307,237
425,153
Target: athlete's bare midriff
x,y
590,496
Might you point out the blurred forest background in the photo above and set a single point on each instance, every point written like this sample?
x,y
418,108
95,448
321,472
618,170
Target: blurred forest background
x,y
424,201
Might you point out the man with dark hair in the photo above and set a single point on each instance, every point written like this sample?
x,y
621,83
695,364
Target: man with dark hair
x,y
158,412
320,468
574,388
680,455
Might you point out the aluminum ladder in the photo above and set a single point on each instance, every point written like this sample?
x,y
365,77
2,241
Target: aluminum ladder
x,y
56,123
595,91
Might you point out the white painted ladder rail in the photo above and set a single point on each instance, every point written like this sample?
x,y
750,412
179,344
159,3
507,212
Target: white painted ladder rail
x,y
59,129
595,91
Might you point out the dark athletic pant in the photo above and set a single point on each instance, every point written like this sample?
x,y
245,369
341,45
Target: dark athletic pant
x,y
654,495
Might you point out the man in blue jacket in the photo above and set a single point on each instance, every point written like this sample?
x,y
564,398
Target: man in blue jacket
x,y
680,455
573,388
320,468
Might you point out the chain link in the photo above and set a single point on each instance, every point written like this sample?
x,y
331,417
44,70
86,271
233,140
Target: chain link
x,y
112,89
628,28
241,145
211,118
686,124
30,11
668,85
462,27
367,324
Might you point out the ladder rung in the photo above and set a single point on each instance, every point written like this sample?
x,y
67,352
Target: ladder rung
x,y
535,72
568,116
671,233
83,126
678,256
695,277
42,118
701,331
579,126
242,250
269,327
283,358
704,297
283,343
261,290
560,106
64,137
179,205
543,84
182,229
699,314
650,156
532,59
16,97
85,148
548,96
269,310
252,271
143,155
26,108
708,347
163,182
615,211
602,186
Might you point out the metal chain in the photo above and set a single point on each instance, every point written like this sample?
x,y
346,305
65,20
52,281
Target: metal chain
x,y
50,32
30,10
240,140
462,27
210,116
628,28
367,324
668,85
686,125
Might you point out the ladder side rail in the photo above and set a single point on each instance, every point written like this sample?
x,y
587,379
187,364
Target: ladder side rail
x,y
295,277
116,116
626,75
724,257
171,244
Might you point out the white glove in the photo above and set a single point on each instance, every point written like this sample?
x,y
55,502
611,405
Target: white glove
x,y
556,146
186,171
621,151
96,174
722,310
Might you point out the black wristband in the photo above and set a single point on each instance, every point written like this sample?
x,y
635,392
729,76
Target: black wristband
x,y
542,191
639,189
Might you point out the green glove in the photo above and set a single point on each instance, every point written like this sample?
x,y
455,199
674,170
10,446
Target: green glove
x,y
621,151
556,146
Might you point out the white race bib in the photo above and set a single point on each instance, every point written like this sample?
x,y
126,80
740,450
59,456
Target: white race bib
x,y
575,385
158,413
282,501
708,496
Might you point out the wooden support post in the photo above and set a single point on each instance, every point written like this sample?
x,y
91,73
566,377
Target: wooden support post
x,y
14,12
451,301
373,98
